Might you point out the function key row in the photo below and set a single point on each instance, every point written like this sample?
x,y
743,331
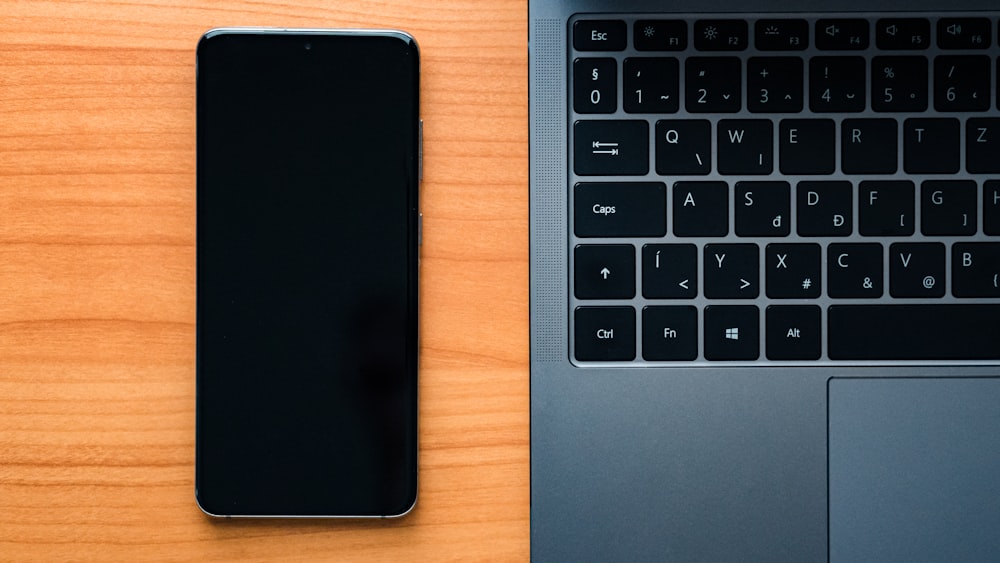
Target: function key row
x,y
848,34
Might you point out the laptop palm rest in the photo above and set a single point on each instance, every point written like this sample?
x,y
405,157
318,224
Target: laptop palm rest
x,y
914,469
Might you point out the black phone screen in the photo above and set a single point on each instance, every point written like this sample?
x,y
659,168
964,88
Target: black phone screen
x,y
307,227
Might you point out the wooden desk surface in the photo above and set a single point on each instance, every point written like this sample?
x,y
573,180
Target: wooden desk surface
x,y
97,308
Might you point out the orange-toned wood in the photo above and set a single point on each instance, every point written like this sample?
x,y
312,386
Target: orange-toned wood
x,y
97,190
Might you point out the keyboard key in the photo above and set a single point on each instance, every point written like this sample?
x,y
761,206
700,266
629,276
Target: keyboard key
x,y
794,332
807,146
982,145
620,209
931,146
962,83
948,207
991,207
712,85
683,147
781,35
837,84
975,271
604,271
916,270
701,209
599,35
732,332
774,84
854,270
886,208
963,33
899,84
746,146
651,85
669,271
670,333
763,209
604,334
825,209
842,34
611,147
720,35
595,86
793,271
903,33
913,332
660,35
869,146
731,271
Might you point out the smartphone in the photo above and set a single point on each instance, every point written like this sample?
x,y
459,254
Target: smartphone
x,y
308,147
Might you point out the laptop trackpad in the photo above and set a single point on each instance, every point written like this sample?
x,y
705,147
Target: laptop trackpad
x,y
914,469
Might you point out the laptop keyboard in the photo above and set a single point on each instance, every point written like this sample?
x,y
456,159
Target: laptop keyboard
x,y
787,189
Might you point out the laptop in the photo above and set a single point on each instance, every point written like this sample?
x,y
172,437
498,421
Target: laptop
x,y
765,303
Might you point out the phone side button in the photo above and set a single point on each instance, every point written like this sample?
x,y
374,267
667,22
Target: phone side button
x,y
420,229
420,153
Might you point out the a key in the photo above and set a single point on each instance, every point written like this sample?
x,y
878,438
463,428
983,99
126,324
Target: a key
x,y
899,83
732,332
824,209
963,33
720,35
916,269
781,35
931,146
794,332
774,84
604,333
886,208
745,146
670,333
595,86
982,145
660,35
991,207
712,85
869,146
650,85
948,207
731,271
604,271
975,270
683,147
793,271
763,209
837,84
903,33
599,35
807,146
610,148
842,34
854,270
620,209
669,271
962,83
701,209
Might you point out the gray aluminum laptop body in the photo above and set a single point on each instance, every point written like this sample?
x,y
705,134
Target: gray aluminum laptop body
x,y
739,461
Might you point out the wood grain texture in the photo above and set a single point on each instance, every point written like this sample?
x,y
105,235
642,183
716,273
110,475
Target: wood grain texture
x,y
97,308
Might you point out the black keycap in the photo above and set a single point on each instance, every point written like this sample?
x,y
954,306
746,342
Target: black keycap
x,y
683,147
886,208
824,209
903,33
763,209
794,332
670,333
963,33
651,85
599,35
720,35
837,84
913,332
982,145
712,85
899,84
842,34
948,207
731,271
854,270
991,207
746,146
931,146
620,209
869,146
660,35
774,84
595,86
916,269
781,35
701,209
669,271
975,270
962,83
793,271
807,146
732,332
611,147
604,334
604,271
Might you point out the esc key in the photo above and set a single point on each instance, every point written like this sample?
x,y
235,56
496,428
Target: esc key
x,y
599,35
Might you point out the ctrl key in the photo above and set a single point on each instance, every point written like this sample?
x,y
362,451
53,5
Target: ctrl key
x,y
604,334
